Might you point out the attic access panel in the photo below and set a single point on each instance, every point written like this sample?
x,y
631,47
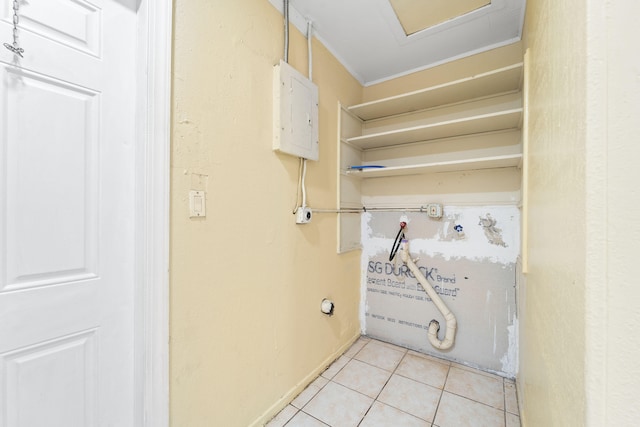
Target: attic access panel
x,y
418,15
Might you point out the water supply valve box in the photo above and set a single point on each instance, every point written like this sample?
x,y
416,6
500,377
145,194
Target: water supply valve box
x,y
303,215
295,113
434,210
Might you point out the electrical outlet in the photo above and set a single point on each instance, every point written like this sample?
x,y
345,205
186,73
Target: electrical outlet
x,y
434,210
303,216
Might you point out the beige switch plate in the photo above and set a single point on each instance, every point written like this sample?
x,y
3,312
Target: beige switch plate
x,y
197,204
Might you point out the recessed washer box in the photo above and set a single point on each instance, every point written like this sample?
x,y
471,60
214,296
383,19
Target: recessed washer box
x,y
295,113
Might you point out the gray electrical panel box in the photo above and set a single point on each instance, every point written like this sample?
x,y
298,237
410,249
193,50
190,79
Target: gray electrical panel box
x,y
295,113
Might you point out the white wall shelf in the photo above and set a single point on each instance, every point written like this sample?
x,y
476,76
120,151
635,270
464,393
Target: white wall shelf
x,y
497,121
494,162
465,128
501,80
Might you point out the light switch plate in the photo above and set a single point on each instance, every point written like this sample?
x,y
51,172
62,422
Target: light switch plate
x,y
197,204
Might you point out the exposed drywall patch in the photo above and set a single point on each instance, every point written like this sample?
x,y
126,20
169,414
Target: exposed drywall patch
x,y
452,229
493,233
469,273
510,359
365,230
435,237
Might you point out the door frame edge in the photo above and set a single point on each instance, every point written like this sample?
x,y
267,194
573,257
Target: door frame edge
x,y
151,346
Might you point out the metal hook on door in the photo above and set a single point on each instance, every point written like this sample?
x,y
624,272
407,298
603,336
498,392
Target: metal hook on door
x,y
15,48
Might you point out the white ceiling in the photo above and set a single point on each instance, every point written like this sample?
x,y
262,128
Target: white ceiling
x,y
367,38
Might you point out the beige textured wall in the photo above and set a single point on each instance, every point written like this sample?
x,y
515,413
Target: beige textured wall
x,y
552,339
445,73
579,341
246,281
613,209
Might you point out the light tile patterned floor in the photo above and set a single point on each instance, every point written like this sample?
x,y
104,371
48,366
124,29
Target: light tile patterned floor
x,y
375,384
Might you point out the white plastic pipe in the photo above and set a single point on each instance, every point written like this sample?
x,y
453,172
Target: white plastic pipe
x,y
285,12
309,50
302,184
434,325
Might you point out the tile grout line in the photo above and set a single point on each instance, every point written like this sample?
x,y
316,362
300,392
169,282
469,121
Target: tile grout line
x,y
393,372
329,380
385,384
307,414
504,397
473,400
441,395
502,379
404,352
374,400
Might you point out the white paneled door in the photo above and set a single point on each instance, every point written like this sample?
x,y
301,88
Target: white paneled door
x,y
67,125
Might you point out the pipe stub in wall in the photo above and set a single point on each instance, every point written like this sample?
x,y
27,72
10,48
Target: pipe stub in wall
x,y
327,307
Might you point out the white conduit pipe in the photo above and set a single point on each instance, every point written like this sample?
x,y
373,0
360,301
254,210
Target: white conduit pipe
x,y
434,325
309,50
285,12
304,188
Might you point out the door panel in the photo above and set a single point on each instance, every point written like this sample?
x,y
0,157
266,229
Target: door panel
x,y
73,23
64,368
51,212
67,128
